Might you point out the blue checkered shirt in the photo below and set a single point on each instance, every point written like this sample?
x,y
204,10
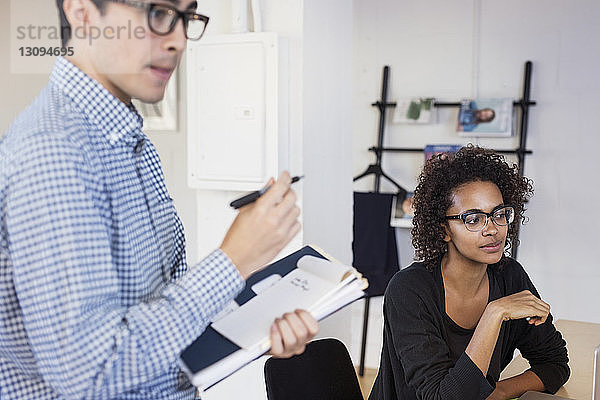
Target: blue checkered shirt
x,y
96,298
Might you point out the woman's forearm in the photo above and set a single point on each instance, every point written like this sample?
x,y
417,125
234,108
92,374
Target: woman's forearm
x,y
517,385
481,346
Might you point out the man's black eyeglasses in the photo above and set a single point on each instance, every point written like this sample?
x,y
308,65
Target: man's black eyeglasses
x,y
163,18
475,221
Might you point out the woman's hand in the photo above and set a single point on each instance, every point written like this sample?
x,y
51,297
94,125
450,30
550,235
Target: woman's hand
x,y
521,305
516,306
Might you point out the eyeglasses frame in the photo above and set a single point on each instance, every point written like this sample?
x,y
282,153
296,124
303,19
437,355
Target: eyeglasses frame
x,y
488,216
183,15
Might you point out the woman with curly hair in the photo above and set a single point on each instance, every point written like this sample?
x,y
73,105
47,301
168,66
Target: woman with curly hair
x,y
454,319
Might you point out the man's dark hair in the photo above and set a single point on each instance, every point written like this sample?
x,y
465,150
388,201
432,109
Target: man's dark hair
x,y
443,174
65,27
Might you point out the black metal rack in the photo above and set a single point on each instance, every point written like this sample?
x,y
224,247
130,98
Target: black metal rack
x,y
521,151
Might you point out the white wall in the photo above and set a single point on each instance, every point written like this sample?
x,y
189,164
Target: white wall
x,y
465,48
319,39
327,137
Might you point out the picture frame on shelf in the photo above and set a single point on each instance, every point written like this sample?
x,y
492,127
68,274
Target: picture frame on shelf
x,y
418,110
486,118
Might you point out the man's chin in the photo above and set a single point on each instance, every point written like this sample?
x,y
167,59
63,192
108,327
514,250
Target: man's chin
x,y
151,98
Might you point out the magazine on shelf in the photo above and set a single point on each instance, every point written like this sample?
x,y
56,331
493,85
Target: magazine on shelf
x,y
415,110
485,118
306,279
434,149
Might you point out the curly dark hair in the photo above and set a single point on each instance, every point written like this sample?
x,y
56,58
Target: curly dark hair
x,y
441,175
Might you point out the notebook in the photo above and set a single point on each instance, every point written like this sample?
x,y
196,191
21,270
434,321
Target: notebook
x,y
595,384
305,279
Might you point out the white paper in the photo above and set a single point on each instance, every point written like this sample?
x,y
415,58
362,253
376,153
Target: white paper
x,y
250,323
331,271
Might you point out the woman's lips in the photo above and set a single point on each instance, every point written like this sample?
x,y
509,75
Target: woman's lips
x,y
492,247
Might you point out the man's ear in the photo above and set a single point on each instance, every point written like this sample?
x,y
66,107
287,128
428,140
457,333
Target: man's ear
x,y
77,13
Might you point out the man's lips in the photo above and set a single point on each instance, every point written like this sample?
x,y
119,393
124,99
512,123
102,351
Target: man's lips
x,y
163,73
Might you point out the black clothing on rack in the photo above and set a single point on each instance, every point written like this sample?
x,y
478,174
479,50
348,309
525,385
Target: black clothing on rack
x,y
374,250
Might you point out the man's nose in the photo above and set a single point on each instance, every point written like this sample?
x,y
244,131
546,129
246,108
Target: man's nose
x,y
176,40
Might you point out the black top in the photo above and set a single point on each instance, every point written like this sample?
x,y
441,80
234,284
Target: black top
x,y
423,355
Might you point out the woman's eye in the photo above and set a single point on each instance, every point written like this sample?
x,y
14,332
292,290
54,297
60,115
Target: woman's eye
x,y
472,220
501,217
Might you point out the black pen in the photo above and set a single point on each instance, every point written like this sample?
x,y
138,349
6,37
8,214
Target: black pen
x,y
253,196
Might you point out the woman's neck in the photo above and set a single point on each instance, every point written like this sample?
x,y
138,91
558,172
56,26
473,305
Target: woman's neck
x,y
463,275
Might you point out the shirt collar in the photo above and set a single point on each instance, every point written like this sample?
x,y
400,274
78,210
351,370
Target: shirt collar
x,y
117,120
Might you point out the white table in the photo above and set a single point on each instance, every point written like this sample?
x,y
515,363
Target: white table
x,y
582,338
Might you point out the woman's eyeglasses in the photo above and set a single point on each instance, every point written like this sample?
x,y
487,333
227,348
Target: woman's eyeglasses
x,y
475,221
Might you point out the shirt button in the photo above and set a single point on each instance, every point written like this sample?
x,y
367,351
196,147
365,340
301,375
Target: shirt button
x,y
139,146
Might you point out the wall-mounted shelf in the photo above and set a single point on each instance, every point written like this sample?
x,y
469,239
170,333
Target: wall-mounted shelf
x,y
523,104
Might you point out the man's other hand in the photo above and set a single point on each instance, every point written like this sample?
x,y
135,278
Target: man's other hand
x,y
291,332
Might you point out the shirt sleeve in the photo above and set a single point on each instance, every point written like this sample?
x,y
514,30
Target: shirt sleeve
x,y
86,343
424,355
544,347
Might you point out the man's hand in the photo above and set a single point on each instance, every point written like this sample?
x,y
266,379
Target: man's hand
x,y
290,333
263,228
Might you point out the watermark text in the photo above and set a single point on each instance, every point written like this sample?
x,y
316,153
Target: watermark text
x,y
90,33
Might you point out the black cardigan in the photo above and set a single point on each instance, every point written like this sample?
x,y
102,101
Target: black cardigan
x,y
420,358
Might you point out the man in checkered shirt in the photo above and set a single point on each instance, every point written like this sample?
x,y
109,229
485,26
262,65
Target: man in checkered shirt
x,y
96,298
